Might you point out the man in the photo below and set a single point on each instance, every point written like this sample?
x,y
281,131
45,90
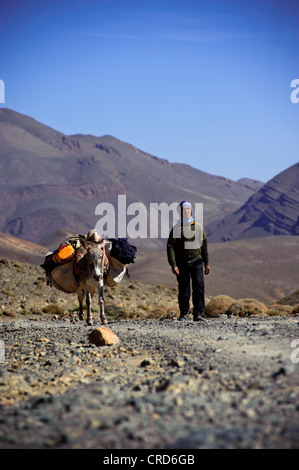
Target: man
x,y
187,253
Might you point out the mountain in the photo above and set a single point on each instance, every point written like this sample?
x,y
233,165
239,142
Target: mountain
x,y
51,181
272,210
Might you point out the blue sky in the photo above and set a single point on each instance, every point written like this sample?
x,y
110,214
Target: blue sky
x,y
205,83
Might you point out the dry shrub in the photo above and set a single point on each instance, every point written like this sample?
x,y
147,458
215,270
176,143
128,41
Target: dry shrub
x,y
157,312
126,315
5,262
53,309
143,307
278,309
218,306
246,308
161,312
274,313
295,309
115,312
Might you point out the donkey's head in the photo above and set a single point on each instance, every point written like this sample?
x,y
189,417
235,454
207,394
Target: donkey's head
x,y
94,258
92,262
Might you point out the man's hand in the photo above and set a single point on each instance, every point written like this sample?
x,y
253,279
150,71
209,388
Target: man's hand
x,y
176,271
207,269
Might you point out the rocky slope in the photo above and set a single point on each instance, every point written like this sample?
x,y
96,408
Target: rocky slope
x,y
272,210
228,382
50,181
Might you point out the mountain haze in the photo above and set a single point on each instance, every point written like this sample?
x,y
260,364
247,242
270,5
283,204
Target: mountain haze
x,y
51,181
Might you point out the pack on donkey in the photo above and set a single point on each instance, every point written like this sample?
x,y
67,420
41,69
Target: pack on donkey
x,y
84,264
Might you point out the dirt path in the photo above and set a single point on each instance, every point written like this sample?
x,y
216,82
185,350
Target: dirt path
x,y
224,383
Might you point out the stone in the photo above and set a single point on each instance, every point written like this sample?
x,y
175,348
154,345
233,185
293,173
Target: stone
x,y
177,362
44,340
146,362
103,336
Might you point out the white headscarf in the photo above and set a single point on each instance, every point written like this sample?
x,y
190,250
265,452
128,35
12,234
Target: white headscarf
x,y
180,207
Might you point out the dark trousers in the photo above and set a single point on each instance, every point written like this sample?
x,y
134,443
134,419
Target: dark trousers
x,y
194,272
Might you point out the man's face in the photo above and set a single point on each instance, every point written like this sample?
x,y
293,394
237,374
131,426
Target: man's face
x,y
186,212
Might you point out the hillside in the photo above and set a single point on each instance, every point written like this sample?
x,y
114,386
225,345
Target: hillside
x,y
50,181
272,210
13,248
264,268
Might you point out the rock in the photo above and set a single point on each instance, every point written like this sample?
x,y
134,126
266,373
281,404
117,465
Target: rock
x,y
103,336
146,362
177,362
43,340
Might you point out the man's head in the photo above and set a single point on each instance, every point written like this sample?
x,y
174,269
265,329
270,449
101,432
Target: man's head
x,y
185,209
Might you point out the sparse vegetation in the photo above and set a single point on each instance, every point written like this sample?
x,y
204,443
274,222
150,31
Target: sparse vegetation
x,y
25,291
218,306
246,308
53,309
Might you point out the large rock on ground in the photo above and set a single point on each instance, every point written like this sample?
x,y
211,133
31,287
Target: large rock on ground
x,y
103,336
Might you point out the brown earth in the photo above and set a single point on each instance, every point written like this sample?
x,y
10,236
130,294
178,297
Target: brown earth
x,y
228,382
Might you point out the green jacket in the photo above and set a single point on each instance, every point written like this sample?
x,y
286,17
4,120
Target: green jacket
x,y
187,243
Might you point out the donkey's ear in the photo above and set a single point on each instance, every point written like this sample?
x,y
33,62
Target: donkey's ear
x,y
101,242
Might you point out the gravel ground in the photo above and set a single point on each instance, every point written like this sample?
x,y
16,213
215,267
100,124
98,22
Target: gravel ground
x,y
224,383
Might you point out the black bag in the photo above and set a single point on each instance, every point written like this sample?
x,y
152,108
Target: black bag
x,y
122,250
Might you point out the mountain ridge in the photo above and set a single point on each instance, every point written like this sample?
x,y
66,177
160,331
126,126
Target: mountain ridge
x,y
51,181
272,210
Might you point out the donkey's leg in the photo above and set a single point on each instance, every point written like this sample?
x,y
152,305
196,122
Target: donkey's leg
x,y
80,299
89,312
102,302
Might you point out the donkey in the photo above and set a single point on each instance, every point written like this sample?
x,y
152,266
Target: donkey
x,y
90,267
